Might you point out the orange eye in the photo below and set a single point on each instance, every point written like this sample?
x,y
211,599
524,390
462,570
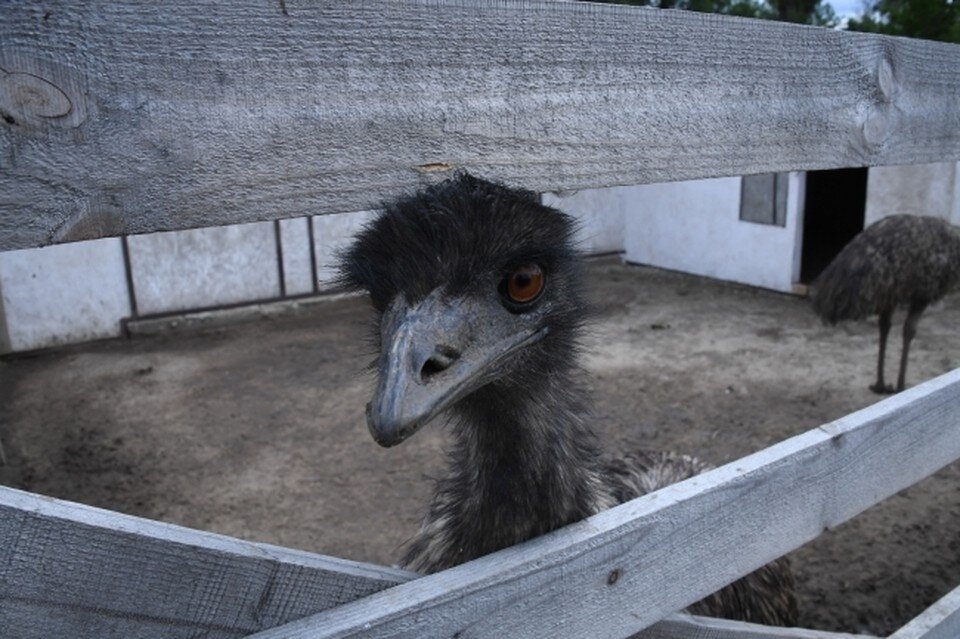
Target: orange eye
x,y
525,284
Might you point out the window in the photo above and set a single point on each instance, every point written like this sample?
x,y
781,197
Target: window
x,y
763,199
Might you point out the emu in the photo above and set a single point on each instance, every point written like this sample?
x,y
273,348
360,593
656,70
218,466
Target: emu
x,y
479,296
902,260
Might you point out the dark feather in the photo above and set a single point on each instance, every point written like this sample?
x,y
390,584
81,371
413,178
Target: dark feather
x,y
897,261
524,459
902,260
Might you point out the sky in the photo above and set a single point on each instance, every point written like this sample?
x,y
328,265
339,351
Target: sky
x,y
847,8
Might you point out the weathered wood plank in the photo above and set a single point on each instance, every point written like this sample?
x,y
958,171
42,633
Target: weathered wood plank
x,y
694,627
670,548
939,621
129,117
68,570
71,570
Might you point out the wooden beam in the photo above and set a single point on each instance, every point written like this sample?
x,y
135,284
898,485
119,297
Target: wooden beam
x,y
939,621
626,568
68,570
693,627
129,117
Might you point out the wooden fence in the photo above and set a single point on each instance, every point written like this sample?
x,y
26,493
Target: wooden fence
x,y
126,117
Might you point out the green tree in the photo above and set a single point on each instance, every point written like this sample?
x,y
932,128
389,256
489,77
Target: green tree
x,y
927,19
815,12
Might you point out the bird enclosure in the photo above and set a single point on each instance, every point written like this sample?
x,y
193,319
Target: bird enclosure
x,y
125,118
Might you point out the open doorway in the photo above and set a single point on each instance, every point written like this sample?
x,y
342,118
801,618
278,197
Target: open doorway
x,y
832,216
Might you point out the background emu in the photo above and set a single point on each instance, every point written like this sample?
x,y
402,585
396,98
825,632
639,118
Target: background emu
x,y
902,260
478,293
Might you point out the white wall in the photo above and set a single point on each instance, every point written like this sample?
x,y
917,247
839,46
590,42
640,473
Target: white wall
x,y
332,233
922,189
62,294
695,227
298,273
76,292
181,270
600,213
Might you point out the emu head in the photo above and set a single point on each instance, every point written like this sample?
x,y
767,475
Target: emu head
x,y
476,287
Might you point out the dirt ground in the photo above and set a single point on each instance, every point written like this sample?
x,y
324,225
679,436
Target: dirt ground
x,y
257,430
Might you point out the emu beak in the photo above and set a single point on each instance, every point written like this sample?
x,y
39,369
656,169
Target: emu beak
x,y
435,353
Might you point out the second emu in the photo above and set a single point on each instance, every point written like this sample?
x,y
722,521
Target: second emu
x,y
902,260
478,291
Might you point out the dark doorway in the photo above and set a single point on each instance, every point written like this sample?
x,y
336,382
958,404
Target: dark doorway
x,y
832,216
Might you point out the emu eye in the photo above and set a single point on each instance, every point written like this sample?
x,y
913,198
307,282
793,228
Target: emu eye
x,y
524,284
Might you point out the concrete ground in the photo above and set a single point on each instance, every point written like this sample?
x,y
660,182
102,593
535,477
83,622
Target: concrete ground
x,y
257,430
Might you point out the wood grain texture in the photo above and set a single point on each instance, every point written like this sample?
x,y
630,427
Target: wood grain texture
x,y
68,570
129,117
939,621
674,546
694,627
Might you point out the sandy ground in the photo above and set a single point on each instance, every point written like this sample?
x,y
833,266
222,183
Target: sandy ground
x,y
257,430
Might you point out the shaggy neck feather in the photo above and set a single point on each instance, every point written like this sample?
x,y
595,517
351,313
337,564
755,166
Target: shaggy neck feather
x,y
524,464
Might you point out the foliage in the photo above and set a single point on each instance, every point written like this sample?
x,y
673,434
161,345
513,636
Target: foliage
x,y
815,12
927,19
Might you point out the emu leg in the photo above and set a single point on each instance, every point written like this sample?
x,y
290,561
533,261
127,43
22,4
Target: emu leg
x,y
880,387
909,331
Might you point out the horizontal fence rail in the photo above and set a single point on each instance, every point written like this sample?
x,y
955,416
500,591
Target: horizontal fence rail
x,y
672,547
939,621
694,627
68,570
130,117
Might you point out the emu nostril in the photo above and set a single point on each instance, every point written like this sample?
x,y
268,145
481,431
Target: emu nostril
x,y
440,361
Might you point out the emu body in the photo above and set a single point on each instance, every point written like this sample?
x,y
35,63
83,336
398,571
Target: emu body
x,y
900,261
478,292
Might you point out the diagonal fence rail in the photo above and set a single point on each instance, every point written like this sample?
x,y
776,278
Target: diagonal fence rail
x,y
72,570
672,547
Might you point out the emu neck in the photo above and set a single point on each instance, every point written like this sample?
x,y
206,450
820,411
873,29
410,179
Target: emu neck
x,y
524,464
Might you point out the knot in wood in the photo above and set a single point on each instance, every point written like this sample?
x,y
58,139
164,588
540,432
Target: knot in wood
x,y
880,108
24,95
434,167
613,577
886,81
876,126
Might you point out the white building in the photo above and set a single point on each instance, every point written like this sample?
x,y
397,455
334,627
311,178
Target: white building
x,y
772,231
